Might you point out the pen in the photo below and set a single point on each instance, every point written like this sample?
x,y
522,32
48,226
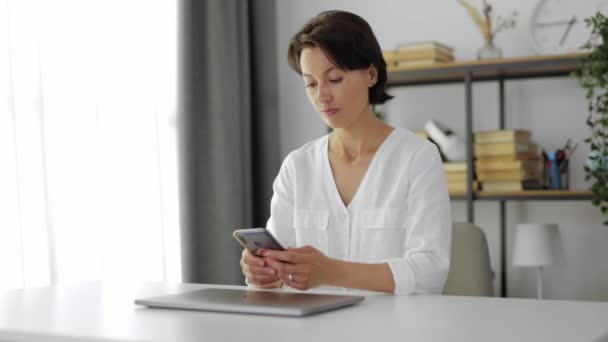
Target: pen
x,y
569,151
567,144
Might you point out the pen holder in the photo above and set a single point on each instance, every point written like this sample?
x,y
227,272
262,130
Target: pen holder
x,y
565,174
557,171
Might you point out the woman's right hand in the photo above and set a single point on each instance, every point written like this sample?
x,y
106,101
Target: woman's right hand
x,y
258,273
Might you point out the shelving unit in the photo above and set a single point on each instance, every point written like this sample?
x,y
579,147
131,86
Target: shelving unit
x,y
528,195
498,70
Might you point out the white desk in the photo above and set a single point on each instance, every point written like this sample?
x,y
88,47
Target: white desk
x,y
93,312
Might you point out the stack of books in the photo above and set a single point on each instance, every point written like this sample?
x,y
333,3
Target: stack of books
x,y
507,160
416,55
456,174
422,134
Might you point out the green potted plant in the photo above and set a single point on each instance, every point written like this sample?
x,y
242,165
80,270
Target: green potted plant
x,y
593,77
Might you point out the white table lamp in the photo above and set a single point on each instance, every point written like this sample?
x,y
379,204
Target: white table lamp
x,y
537,245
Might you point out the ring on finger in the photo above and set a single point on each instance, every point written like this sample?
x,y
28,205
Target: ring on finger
x,y
290,277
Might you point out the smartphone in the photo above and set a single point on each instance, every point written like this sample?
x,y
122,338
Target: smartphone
x,y
254,239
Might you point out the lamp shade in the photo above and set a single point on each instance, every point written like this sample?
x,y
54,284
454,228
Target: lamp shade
x,y
537,244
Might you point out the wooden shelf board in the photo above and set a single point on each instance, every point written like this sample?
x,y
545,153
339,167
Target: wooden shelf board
x,y
526,195
507,68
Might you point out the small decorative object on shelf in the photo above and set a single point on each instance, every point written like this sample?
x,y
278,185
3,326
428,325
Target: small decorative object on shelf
x,y
489,50
450,145
593,77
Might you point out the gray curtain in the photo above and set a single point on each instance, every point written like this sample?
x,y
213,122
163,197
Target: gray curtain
x,y
265,105
227,131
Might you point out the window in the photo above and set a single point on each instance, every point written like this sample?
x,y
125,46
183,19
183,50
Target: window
x,y
88,155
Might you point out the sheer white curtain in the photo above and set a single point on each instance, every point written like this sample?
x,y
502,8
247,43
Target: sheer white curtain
x,y
88,161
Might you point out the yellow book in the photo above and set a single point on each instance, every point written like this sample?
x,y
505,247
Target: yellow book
x,y
497,165
510,185
422,134
455,167
393,58
436,55
461,186
509,148
456,176
390,57
509,175
508,157
425,45
406,65
502,136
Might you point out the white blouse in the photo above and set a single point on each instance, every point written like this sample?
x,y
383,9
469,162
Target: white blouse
x,y
399,215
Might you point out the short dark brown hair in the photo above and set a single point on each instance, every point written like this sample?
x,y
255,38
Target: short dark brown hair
x,y
348,41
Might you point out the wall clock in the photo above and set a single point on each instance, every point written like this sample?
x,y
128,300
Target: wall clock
x,y
558,26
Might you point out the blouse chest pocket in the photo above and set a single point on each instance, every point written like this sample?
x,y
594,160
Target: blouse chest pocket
x,y
380,234
311,228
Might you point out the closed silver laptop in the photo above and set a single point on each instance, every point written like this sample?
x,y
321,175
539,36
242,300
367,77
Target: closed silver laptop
x,y
252,301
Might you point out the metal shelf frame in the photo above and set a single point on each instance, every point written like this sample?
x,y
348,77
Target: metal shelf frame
x,y
499,71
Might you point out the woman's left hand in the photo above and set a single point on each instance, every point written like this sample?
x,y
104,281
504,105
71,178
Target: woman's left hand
x,y
302,268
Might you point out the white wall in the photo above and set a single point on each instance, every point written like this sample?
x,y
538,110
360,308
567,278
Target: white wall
x,y
553,109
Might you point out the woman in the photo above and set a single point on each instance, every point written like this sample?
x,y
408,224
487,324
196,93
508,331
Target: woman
x,y
366,205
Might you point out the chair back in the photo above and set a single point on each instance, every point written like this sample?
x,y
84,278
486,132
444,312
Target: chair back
x,y
470,271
